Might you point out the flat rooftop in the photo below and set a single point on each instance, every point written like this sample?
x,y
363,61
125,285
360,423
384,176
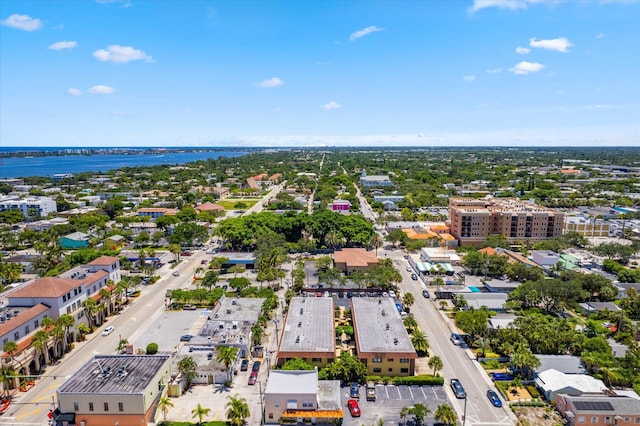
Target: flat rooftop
x,y
309,326
128,374
378,326
238,309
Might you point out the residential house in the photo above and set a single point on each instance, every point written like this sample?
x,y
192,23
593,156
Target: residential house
x,y
340,206
349,260
75,240
599,410
553,382
115,242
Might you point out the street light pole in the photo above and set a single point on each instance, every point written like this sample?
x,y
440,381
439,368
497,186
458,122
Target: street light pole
x,y
464,416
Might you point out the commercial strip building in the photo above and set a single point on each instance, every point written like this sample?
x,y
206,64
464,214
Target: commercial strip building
x,y
115,389
382,341
473,220
309,332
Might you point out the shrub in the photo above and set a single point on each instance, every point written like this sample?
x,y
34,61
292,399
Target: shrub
x,y
533,391
425,379
152,348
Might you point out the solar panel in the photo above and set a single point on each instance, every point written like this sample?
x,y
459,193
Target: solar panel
x,y
593,405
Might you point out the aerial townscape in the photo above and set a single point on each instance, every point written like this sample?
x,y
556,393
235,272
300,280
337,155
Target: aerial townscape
x,y
326,286
319,212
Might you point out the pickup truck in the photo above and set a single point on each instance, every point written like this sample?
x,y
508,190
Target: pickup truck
x,y
371,391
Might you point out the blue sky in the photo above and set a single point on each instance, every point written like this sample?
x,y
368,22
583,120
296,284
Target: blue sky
x,y
336,73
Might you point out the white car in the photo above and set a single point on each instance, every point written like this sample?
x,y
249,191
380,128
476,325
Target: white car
x,y
392,293
107,331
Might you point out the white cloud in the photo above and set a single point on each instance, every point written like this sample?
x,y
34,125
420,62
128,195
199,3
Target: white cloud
x,y
561,44
101,90
494,70
363,32
469,78
125,3
522,50
61,45
121,54
271,82
525,67
331,105
22,22
74,92
501,4
601,35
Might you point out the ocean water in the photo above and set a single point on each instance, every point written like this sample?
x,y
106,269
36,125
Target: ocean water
x,y
14,167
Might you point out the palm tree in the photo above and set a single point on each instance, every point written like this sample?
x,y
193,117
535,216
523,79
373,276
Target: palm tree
x,y
408,300
410,323
200,412
90,307
10,347
65,321
438,281
419,341
376,242
435,362
226,355
39,342
83,329
122,344
164,404
483,343
237,410
445,414
404,412
7,375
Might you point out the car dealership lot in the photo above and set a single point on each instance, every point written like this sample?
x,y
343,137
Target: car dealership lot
x,y
389,401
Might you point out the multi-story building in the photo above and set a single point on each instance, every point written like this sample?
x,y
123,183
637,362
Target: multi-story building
x,y
115,389
309,332
373,180
340,205
30,207
473,220
382,341
599,410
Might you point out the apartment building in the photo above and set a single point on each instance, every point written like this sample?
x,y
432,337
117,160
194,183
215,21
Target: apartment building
x,y
30,207
599,410
309,332
115,389
473,220
586,226
382,341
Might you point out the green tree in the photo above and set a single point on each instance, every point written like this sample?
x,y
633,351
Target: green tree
x,y
39,342
237,410
296,364
164,404
408,300
152,348
420,342
419,412
187,366
445,414
90,307
435,362
226,355
347,368
210,279
7,375
200,412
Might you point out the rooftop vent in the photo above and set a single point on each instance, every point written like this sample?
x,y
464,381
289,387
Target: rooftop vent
x,y
228,310
297,339
387,327
384,313
300,324
301,311
395,340
233,301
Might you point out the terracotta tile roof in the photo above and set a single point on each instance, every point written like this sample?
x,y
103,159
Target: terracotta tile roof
x,y
413,235
355,257
489,251
23,318
103,261
209,206
46,287
152,210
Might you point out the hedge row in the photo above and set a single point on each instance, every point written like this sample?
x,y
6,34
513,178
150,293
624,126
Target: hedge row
x,y
425,379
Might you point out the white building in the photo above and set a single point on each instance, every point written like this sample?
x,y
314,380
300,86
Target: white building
x,y
32,207
545,257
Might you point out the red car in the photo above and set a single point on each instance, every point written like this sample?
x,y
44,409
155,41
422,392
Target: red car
x,y
203,262
253,377
354,408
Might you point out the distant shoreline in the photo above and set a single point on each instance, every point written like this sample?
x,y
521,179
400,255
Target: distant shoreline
x,y
22,152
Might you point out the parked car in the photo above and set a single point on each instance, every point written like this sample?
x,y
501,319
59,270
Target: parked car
x,y
210,356
253,377
399,307
409,269
107,331
189,307
502,377
414,277
494,398
244,365
203,262
186,253
458,390
425,294
256,366
186,338
354,408
406,256
175,273
354,390
371,391
456,339
392,293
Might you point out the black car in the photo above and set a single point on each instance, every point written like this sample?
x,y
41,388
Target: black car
x,y
244,366
458,390
425,294
255,366
186,338
354,390
414,277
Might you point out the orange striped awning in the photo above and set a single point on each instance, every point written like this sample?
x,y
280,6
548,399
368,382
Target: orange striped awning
x,y
318,414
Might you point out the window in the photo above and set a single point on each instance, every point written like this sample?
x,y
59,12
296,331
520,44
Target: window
x,y
26,330
607,419
582,419
627,419
91,406
594,419
64,297
389,359
404,370
277,403
377,370
376,360
68,309
404,360
307,404
16,336
270,415
106,406
75,406
316,359
638,420
390,370
36,324
120,406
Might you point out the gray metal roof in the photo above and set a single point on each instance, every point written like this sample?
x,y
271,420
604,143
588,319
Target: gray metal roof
x,y
303,382
568,364
378,326
128,374
309,326
619,405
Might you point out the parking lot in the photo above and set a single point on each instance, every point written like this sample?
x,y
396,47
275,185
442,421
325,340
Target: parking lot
x,y
389,401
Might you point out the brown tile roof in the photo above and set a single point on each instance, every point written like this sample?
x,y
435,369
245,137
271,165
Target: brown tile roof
x,y
152,210
46,287
103,261
489,251
355,257
23,318
209,206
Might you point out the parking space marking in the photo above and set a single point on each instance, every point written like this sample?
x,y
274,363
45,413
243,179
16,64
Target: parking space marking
x,y
433,388
411,392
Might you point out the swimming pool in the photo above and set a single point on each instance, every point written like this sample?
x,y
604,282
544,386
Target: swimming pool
x,y
474,289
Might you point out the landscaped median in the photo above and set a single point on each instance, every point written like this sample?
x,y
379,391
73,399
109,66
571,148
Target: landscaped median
x,y
421,380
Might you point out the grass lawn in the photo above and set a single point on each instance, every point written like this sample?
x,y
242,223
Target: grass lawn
x,y
229,203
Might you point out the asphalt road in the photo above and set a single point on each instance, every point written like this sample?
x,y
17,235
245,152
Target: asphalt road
x,y
30,408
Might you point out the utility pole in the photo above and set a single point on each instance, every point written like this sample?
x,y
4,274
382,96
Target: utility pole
x,y
261,407
464,416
